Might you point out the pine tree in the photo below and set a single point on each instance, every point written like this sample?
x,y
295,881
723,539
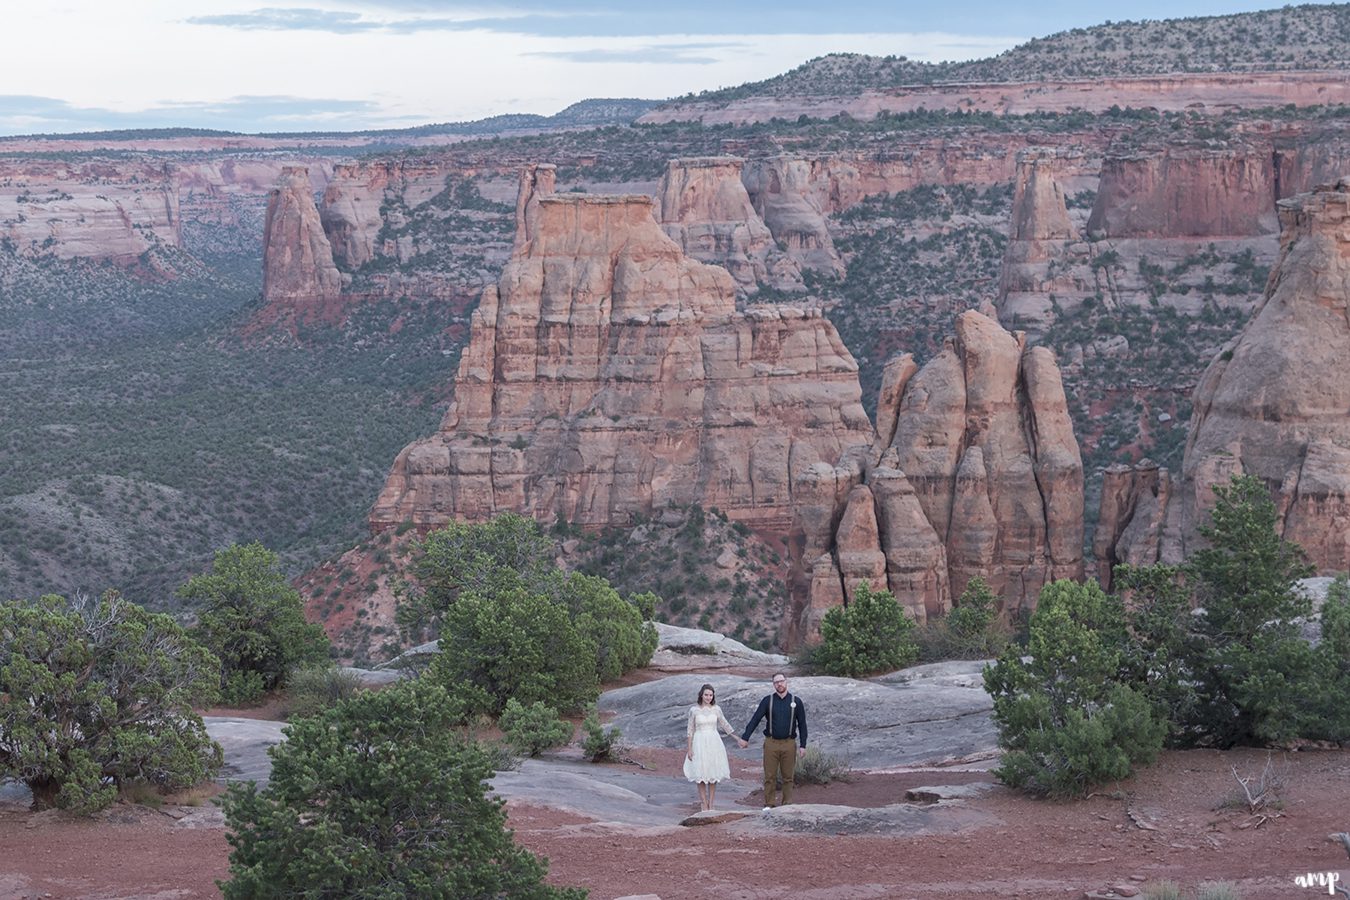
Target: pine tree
x,y
380,797
1067,719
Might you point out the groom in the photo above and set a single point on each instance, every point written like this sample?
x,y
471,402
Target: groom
x,y
784,738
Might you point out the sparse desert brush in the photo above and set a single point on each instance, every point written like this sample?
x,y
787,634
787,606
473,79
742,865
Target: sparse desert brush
x,y
818,767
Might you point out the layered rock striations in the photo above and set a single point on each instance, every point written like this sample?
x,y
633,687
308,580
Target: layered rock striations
x,y
786,193
974,471
298,267
609,375
1180,191
1179,92
703,206
98,210
357,207
1276,402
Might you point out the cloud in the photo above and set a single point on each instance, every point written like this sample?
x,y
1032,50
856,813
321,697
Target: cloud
x,y
667,54
339,22
293,19
25,114
591,18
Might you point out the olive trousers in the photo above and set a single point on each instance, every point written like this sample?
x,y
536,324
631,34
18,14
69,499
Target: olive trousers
x,y
780,759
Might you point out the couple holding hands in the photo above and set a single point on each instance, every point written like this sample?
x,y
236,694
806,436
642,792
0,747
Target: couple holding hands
x,y
705,759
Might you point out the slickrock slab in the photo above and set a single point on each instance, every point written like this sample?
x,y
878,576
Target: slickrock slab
x,y
681,649
607,794
936,793
897,818
245,742
942,714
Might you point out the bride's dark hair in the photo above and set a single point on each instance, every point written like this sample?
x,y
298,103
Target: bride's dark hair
x,y
707,687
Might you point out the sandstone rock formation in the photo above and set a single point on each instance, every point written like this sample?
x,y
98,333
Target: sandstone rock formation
x,y
608,375
298,266
974,472
784,191
705,209
97,210
1133,527
1047,263
1173,93
1276,402
1179,191
354,204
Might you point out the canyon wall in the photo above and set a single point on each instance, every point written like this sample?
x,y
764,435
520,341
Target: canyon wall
x,y
1214,92
355,205
786,195
1184,191
1276,402
98,210
609,375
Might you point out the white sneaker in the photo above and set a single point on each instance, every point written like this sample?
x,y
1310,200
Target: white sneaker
x,y
767,808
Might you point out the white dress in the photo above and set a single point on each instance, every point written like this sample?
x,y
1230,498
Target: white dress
x,y
710,757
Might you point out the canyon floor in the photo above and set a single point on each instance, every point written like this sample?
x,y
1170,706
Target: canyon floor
x,y
620,834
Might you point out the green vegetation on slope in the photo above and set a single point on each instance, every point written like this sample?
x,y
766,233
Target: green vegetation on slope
x,y
1312,36
136,442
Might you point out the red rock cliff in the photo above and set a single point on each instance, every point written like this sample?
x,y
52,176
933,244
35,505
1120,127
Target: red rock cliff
x,y
1187,192
1276,402
608,375
98,210
787,193
1217,91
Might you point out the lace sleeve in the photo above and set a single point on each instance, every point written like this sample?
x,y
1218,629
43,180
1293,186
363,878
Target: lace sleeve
x,y
689,729
723,723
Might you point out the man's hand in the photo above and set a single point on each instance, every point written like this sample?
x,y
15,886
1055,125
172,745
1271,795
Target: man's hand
x,y
801,751
743,742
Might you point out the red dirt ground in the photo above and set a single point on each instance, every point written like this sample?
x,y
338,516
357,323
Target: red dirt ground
x,y
1162,824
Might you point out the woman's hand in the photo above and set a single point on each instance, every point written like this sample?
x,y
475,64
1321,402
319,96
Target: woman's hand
x,y
689,755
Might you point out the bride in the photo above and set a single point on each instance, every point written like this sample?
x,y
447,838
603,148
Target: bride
x,y
705,759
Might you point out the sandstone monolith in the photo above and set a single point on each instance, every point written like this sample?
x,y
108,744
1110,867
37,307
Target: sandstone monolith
x,y
608,375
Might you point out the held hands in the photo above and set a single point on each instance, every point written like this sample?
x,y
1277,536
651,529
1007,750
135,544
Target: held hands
x,y
743,742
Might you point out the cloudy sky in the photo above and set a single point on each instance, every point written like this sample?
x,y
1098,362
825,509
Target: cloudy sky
x,y
243,65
